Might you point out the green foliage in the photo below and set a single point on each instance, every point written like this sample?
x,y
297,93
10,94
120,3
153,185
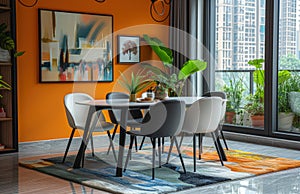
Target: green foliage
x,y
174,81
283,91
234,92
4,85
6,42
255,105
135,83
164,53
289,61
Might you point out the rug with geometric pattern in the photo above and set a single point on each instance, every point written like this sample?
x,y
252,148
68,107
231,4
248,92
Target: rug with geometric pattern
x,y
99,171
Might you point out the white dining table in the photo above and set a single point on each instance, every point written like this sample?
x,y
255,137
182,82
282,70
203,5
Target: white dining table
x,y
124,106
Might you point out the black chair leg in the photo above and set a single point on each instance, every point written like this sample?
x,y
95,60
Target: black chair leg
x,y
224,140
217,147
129,152
92,145
153,157
179,153
159,152
135,140
170,149
112,137
68,145
194,151
112,145
142,143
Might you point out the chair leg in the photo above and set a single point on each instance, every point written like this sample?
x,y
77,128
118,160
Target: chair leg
x,y
129,152
135,140
170,149
200,145
68,145
179,153
82,162
163,145
194,151
153,157
159,153
92,145
224,140
217,147
113,136
112,145
142,143
181,140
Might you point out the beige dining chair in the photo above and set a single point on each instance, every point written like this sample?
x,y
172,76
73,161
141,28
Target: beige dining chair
x,y
77,117
202,117
222,117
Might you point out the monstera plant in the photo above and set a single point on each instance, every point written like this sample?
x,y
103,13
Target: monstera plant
x,y
164,77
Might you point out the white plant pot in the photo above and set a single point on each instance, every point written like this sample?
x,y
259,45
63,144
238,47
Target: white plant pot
x,y
294,100
4,55
285,121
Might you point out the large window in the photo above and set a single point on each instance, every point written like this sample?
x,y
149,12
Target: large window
x,y
257,63
239,69
289,67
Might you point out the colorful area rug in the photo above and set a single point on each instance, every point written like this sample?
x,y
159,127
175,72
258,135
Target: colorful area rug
x,y
99,171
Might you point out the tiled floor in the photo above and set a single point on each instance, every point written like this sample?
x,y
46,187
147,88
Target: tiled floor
x,y
15,179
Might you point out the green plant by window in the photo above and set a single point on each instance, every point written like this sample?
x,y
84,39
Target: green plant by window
x,y
234,92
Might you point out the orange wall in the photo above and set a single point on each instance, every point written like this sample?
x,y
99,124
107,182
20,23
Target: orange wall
x,y
40,105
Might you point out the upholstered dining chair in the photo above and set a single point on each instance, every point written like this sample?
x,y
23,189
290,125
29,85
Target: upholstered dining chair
x,y
200,118
224,97
163,119
77,116
135,116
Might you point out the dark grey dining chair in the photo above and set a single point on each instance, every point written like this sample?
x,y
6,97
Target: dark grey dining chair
x,y
163,119
135,116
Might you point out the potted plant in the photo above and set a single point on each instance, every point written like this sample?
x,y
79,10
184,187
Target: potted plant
x,y
167,81
6,86
255,106
285,114
7,44
234,93
134,84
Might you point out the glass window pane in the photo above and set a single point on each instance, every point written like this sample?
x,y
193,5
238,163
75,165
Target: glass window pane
x,y
240,38
289,67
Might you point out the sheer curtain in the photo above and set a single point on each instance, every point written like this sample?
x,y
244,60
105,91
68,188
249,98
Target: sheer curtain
x,y
186,38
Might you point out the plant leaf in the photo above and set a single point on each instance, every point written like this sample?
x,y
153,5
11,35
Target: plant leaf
x,y
190,67
164,53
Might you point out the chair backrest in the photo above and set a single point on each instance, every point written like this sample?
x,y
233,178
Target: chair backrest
x,y
209,117
164,119
221,95
191,118
76,113
115,114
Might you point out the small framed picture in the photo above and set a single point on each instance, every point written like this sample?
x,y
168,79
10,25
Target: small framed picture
x,y
128,49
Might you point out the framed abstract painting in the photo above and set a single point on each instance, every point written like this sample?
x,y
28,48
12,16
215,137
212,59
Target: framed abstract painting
x,y
128,49
75,47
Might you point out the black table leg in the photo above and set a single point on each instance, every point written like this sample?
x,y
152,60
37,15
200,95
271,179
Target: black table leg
x,y
85,139
124,114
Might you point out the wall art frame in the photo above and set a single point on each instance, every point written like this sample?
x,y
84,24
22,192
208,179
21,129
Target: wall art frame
x,y
75,47
129,51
